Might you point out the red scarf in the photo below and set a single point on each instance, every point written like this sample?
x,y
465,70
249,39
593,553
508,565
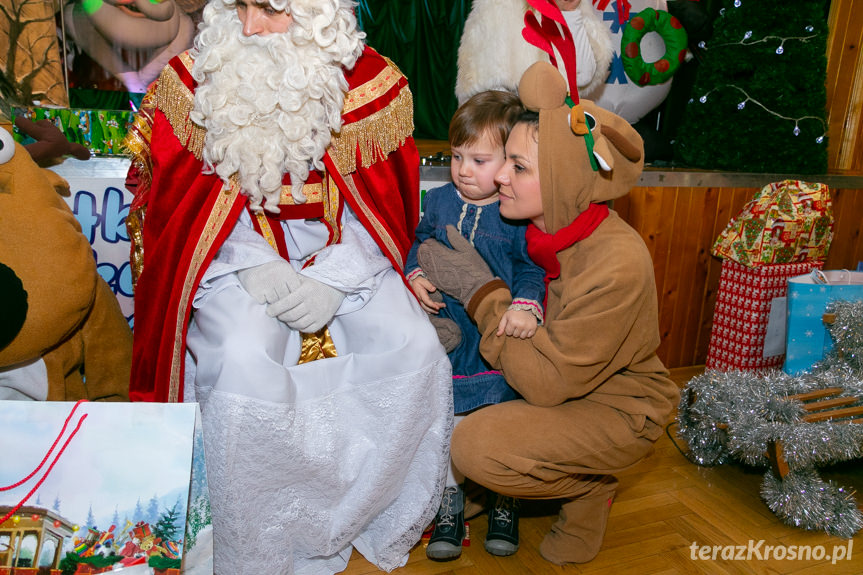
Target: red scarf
x,y
542,247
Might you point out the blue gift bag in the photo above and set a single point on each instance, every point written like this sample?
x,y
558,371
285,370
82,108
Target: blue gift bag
x,y
807,338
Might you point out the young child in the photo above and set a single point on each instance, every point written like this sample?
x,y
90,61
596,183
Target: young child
x,y
477,134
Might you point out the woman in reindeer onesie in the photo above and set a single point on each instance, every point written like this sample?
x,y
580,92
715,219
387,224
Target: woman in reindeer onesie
x,y
595,394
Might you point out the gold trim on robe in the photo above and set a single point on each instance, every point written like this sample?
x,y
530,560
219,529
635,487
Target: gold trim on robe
x,y
216,219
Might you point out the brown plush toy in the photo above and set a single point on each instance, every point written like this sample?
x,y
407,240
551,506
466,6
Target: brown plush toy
x,y
74,342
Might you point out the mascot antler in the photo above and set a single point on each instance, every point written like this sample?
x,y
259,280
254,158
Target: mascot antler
x,y
549,32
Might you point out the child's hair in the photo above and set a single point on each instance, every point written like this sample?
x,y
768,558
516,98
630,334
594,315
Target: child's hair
x,y
493,112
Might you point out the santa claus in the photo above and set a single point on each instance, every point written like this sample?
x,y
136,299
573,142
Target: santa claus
x,y
277,189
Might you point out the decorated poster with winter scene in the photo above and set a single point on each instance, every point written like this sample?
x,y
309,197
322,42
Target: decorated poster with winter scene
x,y
103,487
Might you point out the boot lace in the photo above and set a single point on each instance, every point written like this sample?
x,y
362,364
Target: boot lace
x,y
447,511
503,509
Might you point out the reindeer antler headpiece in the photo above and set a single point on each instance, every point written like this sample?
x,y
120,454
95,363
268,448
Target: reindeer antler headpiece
x,y
586,154
549,32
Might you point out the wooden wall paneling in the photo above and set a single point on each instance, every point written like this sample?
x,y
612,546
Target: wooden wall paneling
x,y
657,229
688,228
844,86
621,206
636,207
838,17
838,245
659,212
703,292
659,235
835,42
849,154
846,249
679,274
664,239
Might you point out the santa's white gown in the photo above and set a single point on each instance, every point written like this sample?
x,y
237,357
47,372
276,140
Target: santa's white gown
x,y
306,462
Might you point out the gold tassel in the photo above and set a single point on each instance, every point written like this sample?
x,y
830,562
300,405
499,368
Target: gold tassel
x,y
177,101
376,135
136,144
135,227
318,345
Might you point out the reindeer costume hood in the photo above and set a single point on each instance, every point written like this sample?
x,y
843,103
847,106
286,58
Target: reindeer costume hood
x,y
569,183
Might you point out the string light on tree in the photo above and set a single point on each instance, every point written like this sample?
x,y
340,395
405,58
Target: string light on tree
x,y
781,106
741,105
748,36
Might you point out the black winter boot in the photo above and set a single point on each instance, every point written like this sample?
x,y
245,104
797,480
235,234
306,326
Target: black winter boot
x,y
446,539
502,538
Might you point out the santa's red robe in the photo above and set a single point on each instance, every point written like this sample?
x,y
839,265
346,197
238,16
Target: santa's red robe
x,y
181,216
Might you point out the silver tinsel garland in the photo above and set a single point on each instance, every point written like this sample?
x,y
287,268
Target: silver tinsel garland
x,y
805,500
725,416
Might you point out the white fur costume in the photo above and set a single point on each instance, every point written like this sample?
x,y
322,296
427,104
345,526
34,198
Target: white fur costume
x,y
493,55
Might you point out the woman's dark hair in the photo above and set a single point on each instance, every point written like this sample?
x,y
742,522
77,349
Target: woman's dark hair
x,y
531,120
528,117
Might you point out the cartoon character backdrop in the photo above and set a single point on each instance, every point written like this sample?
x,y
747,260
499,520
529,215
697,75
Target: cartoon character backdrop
x,y
124,44
88,53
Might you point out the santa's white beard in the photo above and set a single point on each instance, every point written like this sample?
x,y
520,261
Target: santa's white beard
x,y
268,105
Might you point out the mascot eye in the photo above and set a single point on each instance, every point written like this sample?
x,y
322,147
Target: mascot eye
x,y
7,146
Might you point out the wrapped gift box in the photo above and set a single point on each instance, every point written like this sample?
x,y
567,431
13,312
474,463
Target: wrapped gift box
x,y
741,314
785,222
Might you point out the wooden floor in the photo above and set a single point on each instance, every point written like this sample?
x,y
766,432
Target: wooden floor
x,y
662,506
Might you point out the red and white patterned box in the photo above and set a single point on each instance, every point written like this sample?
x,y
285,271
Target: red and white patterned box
x,y
741,314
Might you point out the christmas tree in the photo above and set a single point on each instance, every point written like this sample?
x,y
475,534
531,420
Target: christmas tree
x,y
759,100
166,527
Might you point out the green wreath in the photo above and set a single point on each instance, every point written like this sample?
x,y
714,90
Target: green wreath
x,y
672,33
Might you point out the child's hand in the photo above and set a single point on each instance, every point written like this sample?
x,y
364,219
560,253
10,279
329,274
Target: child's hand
x,y
517,323
423,288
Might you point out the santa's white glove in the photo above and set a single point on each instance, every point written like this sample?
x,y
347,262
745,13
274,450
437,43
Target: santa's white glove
x,y
309,307
269,282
